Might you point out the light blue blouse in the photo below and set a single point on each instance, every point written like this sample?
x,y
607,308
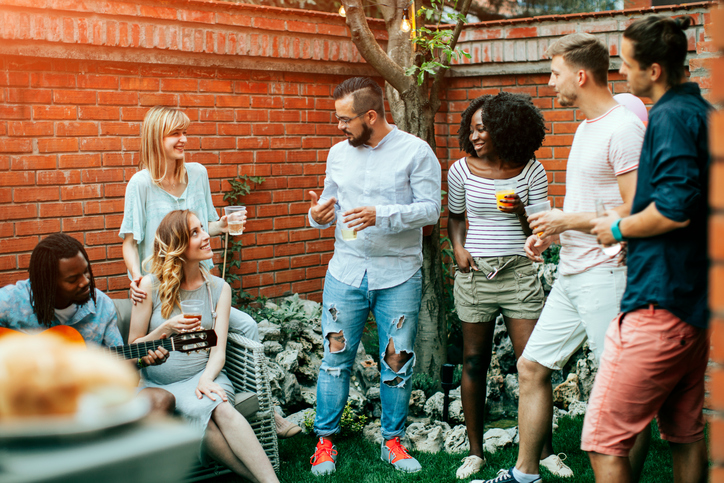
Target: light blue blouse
x,y
146,204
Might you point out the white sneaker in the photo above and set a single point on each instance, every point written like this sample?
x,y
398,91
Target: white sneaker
x,y
554,464
471,465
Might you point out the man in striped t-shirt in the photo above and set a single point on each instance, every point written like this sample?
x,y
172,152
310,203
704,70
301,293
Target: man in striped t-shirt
x,y
602,165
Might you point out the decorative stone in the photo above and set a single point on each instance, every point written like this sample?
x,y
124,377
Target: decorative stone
x,y
455,412
496,439
269,331
586,369
428,438
564,394
309,396
512,387
272,348
417,402
456,440
577,408
288,360
299,417
372,432
433,406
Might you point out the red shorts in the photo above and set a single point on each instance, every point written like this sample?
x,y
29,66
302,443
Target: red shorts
x,y
653,364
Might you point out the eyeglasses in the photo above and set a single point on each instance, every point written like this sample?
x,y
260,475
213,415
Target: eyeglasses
x,y
346,120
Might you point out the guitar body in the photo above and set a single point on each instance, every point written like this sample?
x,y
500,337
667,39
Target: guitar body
x,y
65,332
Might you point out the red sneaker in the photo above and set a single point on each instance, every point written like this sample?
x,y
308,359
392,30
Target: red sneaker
x,y
396,454
324,459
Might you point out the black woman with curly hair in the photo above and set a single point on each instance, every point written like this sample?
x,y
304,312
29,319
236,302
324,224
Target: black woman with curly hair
x,y
500,134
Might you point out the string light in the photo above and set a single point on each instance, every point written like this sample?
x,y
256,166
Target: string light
x,y
405,25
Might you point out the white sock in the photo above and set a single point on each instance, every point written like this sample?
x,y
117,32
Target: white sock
x,y
524,478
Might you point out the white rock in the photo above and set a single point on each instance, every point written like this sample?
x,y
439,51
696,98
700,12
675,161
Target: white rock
x,y
288,359
299,417
428,438
456,440
373,432
269,331
496,439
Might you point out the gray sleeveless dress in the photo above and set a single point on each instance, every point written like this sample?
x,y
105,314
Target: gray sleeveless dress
x,y
180,374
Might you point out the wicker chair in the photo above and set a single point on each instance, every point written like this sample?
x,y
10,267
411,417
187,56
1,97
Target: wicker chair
x,y
246,367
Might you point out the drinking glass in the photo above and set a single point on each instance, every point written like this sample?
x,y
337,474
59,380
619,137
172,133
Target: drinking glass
x,y
192,308
538,208
348,234
235,216
503,188
609,250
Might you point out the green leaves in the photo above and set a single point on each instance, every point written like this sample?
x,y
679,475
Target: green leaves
x,y
435,45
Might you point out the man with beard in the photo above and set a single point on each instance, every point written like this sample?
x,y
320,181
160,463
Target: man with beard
x,y
61,291
385,185
601,166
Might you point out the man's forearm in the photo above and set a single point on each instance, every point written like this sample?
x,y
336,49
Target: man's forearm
x,y
647,223
578,221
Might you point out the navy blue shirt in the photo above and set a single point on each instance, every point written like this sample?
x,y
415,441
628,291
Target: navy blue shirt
x,y
672,269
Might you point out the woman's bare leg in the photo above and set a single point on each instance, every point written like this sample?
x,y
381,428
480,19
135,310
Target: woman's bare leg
x,y
242,442
219,449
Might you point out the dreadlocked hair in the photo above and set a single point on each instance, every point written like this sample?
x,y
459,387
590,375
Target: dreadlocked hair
x,y
167,262
44,269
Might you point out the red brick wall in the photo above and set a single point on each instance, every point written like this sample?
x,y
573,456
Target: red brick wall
x,y
716,252
76,79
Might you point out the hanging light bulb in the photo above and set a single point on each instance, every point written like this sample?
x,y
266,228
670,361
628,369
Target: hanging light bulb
x,y
405,26
342,12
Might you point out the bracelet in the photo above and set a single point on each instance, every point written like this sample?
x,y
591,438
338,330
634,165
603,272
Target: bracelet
x,y
140,363
616,231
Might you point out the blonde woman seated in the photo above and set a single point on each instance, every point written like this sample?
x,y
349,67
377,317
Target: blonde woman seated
x,y
197,380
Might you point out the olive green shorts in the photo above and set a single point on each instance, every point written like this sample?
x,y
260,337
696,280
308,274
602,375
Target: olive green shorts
x,y
507,285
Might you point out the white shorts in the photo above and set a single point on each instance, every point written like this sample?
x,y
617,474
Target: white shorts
x,y
579,307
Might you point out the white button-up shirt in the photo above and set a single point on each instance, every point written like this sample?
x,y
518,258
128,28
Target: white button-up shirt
x,y
401,178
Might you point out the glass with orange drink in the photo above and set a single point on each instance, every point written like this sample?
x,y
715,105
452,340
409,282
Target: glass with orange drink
x,y
503,188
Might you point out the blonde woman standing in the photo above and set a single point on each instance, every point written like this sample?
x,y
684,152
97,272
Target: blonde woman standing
x,y
203,392
165,183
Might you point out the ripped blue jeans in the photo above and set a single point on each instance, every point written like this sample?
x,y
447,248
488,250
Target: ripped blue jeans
x,y
344,313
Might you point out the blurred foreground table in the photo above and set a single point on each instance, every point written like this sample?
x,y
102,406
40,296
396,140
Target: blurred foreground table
x,y
152,451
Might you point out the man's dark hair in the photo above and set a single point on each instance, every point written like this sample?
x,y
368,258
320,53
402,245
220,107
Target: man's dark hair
x,y
44,264
366,94
583,51
660,40
516,127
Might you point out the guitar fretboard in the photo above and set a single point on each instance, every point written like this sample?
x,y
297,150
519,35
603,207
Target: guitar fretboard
x,y
134,351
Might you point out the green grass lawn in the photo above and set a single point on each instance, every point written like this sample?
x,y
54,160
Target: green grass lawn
x,y
359,461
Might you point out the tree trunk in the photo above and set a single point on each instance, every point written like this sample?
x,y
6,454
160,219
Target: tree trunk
x,y
431,342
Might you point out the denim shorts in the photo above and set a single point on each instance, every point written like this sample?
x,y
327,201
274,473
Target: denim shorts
x,y
507,285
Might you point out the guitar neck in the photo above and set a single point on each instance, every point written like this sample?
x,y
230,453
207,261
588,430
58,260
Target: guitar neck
x,y
134,351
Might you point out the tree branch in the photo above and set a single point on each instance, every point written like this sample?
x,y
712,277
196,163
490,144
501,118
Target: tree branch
x,y
365,41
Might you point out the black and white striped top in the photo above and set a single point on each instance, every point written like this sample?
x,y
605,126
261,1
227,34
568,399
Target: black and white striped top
x,y
492,233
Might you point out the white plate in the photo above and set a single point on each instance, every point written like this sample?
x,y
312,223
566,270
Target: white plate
x,y
80,424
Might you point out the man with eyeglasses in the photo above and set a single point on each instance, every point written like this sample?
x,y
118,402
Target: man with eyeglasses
x,y
384,185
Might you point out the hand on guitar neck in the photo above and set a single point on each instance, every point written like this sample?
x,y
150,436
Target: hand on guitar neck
x,y
151,353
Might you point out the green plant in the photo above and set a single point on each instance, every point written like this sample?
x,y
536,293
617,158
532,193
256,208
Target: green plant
x,y
434,46
290,314
240,187
552,254
350,424
426,383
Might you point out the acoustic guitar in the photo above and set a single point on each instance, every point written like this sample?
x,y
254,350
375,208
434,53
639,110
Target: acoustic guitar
x,y
183,342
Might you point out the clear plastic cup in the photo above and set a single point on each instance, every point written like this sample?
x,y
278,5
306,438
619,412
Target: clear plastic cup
x,y
191,308
538,208
235,216
348,234
503,188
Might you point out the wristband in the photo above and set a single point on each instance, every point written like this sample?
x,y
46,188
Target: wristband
x,y
616,231
140,363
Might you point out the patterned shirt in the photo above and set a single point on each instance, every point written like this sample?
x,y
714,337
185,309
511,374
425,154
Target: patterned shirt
x,y
96,321
493,233
146,204
401,178
603,148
